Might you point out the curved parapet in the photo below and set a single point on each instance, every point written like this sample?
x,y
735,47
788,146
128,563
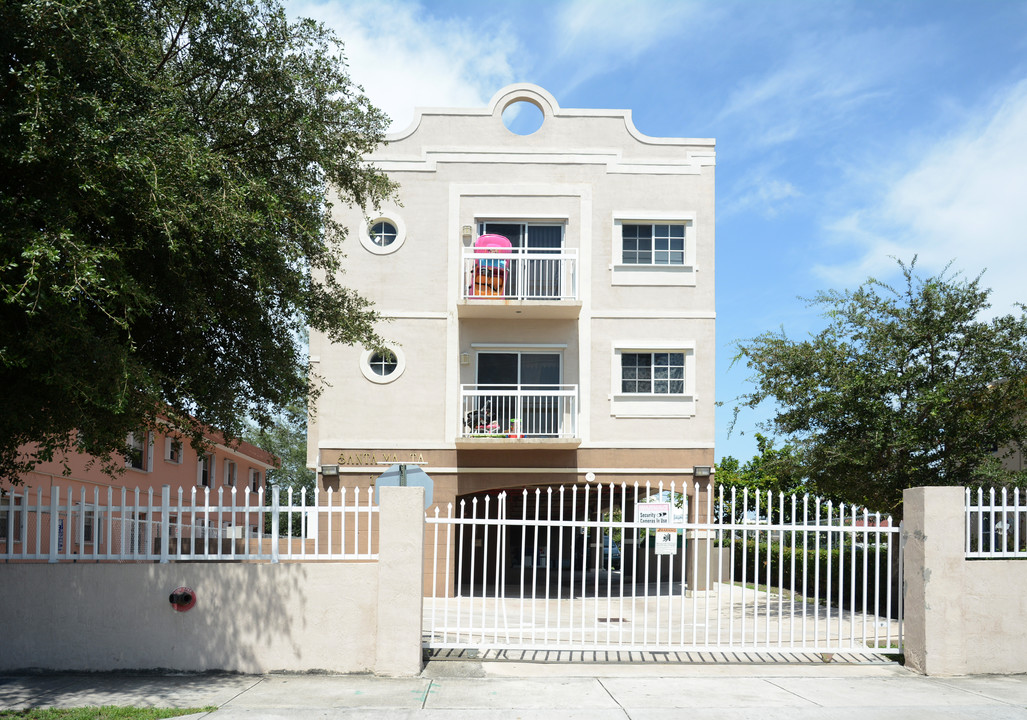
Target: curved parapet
x,y
524,92
550,108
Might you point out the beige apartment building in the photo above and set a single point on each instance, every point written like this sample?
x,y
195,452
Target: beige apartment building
x,y
577,348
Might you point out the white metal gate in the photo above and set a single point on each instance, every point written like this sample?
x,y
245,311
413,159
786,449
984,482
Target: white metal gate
x,y
577,568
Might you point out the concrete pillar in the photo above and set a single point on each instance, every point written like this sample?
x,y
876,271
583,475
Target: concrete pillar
x,y
933,533
700,564
400,569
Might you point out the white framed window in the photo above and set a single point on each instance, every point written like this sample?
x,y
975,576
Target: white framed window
x,y
254,480
653,244
384,234
173,450
383,362
140,451
10,522
383,366
230,473
133,531
653,249
205,471
653,379
92,530
652,373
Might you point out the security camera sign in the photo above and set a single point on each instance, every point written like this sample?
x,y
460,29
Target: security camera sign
x,y
666,541
653,514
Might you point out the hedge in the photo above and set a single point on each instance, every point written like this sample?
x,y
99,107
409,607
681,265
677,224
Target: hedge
x,y
841,572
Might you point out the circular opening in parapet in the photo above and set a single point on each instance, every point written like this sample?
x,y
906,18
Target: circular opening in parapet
x,y
523,117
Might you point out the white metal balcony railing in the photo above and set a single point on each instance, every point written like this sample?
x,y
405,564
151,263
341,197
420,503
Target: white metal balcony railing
x,y
521,275
519,411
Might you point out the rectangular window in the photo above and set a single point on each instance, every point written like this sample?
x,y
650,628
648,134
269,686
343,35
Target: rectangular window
x,y
133,534
254,480
90,528
173,450
653,244
10,520
655,373
138,451
230,473
205,471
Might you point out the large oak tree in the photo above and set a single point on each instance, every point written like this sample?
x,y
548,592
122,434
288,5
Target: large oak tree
x,y
164,167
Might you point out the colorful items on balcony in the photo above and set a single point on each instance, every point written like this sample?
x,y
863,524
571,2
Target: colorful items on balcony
x,y
490,273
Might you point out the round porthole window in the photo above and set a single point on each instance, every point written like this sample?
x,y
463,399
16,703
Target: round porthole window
x,y
383,235
382,366
383,363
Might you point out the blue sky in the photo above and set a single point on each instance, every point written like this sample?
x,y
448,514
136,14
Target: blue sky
x,y
847,132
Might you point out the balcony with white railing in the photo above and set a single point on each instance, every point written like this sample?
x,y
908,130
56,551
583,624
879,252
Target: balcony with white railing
x,y
518,416
533,283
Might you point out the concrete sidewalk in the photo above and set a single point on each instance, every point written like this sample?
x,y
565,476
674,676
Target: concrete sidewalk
x,y
526,690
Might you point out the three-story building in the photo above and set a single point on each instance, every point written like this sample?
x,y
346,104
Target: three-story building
x,y
550,301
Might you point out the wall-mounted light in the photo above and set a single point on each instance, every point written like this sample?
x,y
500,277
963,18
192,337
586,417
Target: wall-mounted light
x,y
466,232
329,469
701,471
465,358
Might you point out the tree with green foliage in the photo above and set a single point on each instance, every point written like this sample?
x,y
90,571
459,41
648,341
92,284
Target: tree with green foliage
x,y
286,439
906,386
772,470
164,175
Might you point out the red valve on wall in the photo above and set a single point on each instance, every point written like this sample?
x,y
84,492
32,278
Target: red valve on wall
x,y
182,599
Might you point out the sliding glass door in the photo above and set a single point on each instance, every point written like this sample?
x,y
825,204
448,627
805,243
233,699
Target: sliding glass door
x,y
524,383
536,278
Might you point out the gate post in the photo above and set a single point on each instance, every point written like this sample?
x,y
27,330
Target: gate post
x,y
933,555
400,578
699,562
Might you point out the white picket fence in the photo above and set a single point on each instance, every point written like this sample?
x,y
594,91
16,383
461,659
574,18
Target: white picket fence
x,y
578,568
996,524
109,524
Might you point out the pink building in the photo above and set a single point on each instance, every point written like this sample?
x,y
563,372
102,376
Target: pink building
x,y
87,500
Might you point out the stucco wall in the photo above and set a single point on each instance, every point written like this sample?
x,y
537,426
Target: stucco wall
x,y
961,616
247,618
251,618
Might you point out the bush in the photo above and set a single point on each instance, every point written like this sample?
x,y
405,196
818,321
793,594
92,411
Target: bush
x,y
844,572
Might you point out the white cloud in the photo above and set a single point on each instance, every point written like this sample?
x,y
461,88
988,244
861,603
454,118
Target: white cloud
x,y
820,84
962,200
405,58
760,191
595,36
